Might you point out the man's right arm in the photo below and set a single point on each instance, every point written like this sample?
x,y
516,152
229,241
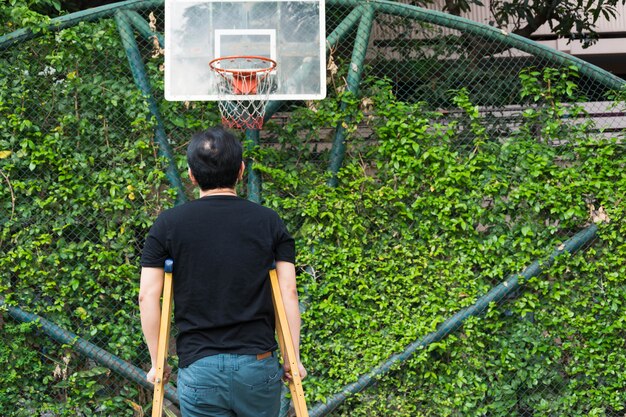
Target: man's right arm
x,y
286,272
150,290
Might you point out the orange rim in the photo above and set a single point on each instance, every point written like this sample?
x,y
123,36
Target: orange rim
x,y
214,62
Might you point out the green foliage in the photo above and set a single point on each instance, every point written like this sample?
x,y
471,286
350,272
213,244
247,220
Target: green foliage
x,y
432,210
77,201
427,219
31,14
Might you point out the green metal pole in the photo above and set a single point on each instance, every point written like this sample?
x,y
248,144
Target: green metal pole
x,y
354,79
271,109
88,349
496,294
141,80
73,19
254,179
343,28
143,27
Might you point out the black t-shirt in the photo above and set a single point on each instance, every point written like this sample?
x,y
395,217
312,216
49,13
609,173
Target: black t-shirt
x,y
223,248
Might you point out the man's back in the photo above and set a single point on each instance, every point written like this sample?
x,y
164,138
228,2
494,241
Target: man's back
x,y
223,247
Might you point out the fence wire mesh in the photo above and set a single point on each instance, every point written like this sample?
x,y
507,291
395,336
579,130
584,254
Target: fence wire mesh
x,y
454,156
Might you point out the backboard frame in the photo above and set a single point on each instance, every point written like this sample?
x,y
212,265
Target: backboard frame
x,y
198,60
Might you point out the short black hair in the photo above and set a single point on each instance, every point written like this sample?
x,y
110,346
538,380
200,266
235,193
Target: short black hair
x,y
214,157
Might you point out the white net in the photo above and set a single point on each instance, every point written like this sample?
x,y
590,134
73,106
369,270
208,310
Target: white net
x,y
244,85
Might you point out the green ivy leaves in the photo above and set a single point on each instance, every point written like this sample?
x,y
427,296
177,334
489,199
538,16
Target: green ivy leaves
x,y
430,214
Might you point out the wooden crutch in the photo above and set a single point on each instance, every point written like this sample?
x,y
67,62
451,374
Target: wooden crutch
x,y
287,348
164,338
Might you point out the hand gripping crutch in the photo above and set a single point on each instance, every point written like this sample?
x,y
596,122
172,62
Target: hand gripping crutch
x,y
287,348
164,338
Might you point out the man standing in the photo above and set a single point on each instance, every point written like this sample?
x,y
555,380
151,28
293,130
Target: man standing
x,y
223,247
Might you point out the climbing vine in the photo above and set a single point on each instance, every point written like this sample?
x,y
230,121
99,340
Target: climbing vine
x,y
426,221
432,210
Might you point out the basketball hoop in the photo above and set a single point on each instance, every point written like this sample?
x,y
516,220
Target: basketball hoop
x,y
244,85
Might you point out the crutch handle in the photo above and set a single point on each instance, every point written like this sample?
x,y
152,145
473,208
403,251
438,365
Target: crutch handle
x,y
169,266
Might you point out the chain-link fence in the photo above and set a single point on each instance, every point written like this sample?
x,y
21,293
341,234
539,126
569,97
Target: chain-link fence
x,y
434,195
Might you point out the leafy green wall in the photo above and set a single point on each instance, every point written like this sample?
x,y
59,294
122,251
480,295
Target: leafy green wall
x,y
424,222
433,209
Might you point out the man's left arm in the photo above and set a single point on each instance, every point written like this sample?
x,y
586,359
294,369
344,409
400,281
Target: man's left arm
x,y
150,290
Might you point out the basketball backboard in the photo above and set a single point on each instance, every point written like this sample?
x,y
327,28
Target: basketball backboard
x,y
291,33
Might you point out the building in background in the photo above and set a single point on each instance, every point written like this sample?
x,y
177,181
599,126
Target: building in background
x,y
609,52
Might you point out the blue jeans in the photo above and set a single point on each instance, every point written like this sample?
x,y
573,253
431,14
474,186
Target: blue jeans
x,y
229,385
